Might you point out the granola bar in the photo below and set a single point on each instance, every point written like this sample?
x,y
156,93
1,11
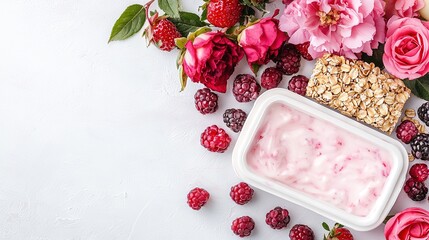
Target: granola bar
x,y
358,89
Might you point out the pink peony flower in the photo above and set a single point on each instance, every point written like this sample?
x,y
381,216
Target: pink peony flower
x,y
404,8
261,41
410,224
406,52
210,59
346,27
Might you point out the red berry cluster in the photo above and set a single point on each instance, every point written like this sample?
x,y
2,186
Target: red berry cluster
x,y
415,186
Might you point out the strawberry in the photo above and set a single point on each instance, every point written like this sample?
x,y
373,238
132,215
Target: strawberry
x,y
224,13
338,232
162,33
303,49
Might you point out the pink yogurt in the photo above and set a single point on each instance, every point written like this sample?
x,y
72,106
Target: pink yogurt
x,y
315,157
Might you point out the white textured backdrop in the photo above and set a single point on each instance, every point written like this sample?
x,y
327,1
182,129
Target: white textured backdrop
x,y
97,142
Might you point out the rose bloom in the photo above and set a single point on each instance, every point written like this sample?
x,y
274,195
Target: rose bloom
x,y
410,224
404,8
262,40
406,52
344,27
210,59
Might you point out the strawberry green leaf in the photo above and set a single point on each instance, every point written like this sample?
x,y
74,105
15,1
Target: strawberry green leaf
x,y
129,23
419,87
187,23
170,7
325,226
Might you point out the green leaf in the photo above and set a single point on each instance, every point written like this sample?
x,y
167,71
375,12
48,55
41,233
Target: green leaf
x,y
376,58
325,226
181,42
129,23
387,218
170,7
419,87
188,22
183,78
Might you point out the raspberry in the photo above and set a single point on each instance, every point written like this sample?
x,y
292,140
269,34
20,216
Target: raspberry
x,y
420,146
245,88
197,198
303,49
241,193
277,218
243,226
301,232
415,190
423,113
419,172
215,139
206,101
271,78
298,84
406,131
234,119
289,60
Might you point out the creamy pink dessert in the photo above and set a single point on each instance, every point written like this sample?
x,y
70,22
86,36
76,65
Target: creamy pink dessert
x,y
316,157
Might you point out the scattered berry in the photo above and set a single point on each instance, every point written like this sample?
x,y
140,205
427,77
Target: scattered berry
x,y
420,146
215,139
338,232
224,13
415,190
423,113
303,49
406,131
419,172
298,84
161,32
197,198
289,60
271,78
234,119
301,232
243,226
241,193
277,218
245,88
206,101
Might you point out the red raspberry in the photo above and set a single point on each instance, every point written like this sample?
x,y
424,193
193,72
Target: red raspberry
x,y
243,226
289,60
406,131
271,78
224,13
206,101
277,218
245,88
241,193
215,139
301,232
415,190
419,172
303,49
197,198
338,232
298,84
234,119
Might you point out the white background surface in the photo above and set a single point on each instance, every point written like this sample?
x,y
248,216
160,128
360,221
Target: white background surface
x,y
97,142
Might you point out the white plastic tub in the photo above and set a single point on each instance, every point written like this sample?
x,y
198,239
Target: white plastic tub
x,y
389,193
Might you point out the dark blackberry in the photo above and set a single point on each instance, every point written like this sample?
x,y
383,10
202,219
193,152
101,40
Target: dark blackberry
x,y
423,113
271,78
420,146
289,60
234,119
245,88
416,190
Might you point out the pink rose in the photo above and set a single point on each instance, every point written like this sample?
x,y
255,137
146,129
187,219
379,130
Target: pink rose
x,y
410,224
404,8
406,52
262,40
345,27
210,59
